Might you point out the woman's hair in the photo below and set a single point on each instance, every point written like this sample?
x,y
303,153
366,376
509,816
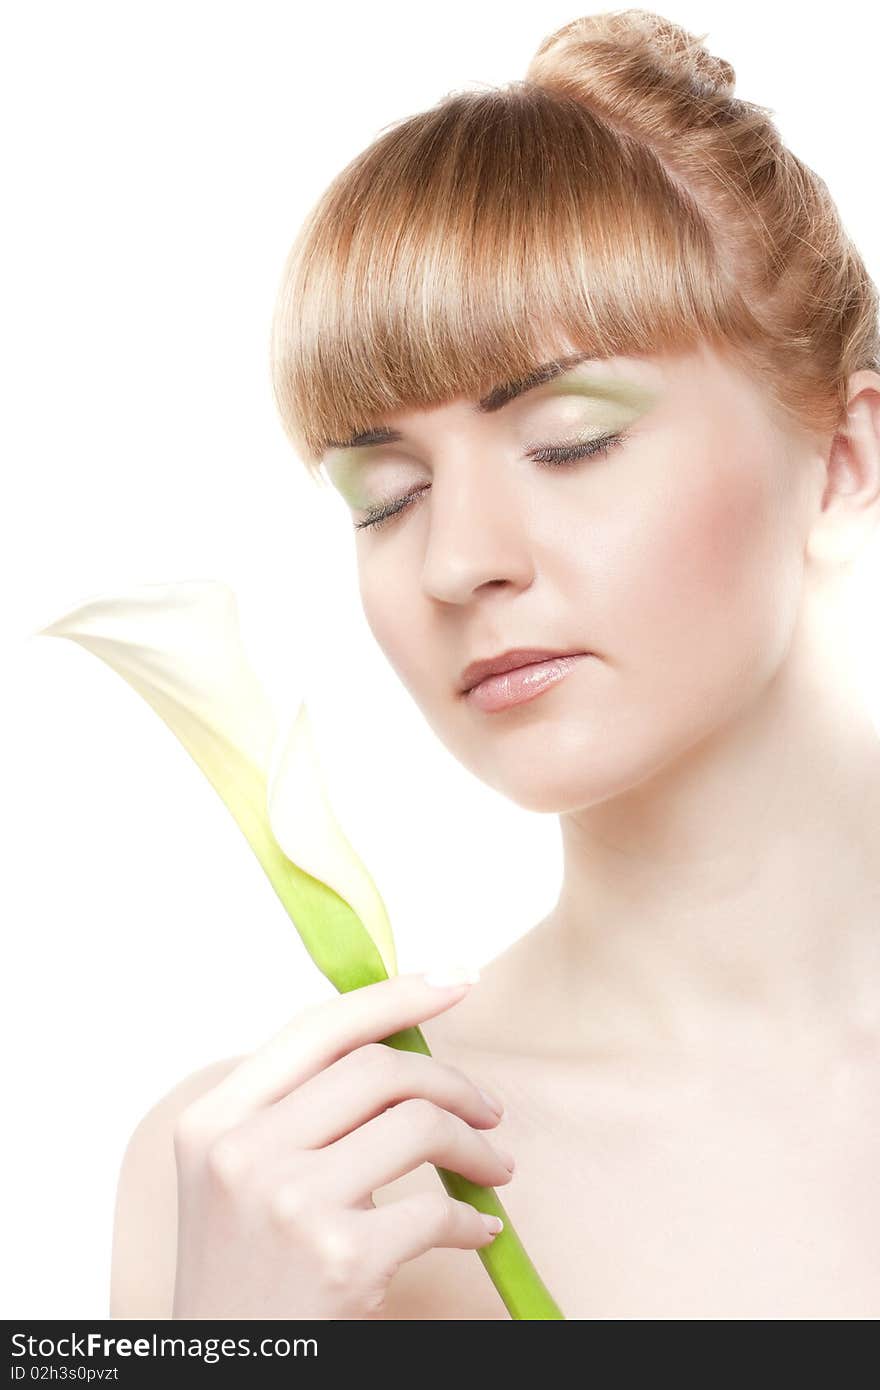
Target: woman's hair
x,y
619,193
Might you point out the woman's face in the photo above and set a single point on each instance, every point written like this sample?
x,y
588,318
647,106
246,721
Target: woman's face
x,y
675,558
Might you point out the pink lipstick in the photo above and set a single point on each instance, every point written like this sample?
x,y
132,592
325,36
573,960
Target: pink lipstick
x,y
523,683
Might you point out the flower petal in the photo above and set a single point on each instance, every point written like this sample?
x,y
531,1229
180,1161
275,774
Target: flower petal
x,y
306,828
179,645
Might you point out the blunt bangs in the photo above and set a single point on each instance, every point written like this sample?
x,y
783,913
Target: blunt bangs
x,y
466,242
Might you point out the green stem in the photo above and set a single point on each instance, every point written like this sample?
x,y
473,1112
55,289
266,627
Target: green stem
x,y
505,1260
344,952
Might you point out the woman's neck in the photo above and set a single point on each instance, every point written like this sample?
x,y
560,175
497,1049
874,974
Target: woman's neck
x,y
731,899
740,886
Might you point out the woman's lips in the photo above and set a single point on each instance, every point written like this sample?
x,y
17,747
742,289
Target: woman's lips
x,y
522,683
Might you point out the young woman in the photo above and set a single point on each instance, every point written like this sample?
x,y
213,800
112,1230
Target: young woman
x,y
596,369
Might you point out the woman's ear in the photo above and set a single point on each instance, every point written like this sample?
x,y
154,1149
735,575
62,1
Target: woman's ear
x,y
850,510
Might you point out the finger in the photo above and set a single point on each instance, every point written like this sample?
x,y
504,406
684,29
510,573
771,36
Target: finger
x,y
413,1132
319,1035
410,1227
359,1086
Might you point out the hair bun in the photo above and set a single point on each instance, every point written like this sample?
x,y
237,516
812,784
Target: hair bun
x,y
628,51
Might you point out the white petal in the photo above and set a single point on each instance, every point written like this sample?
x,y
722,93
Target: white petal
x,y
180,646
306,828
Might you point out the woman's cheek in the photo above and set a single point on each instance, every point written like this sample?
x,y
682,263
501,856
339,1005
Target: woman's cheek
x,y
376,612
713,582
397,632
690,577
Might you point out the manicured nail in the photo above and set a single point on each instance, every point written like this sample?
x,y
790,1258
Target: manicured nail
x,y
493,1223
491,1101
443,976
506,1157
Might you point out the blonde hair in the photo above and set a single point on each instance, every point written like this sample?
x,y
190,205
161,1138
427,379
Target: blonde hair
x,y
620,193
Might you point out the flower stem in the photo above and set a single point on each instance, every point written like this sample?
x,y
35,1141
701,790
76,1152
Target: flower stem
x,y
519,1284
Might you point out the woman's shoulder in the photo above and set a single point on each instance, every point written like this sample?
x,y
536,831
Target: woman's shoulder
x,y
145,1218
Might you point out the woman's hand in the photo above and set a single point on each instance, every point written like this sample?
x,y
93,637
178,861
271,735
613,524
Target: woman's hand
x,y
277,1164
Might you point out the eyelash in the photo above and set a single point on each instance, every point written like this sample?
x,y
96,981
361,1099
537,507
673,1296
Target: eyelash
x,y
556,457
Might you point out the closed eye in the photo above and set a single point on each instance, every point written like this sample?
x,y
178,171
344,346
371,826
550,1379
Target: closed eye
x,y
570,453
552,456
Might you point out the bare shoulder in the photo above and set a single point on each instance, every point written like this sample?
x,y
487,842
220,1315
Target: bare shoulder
x,y
145,1220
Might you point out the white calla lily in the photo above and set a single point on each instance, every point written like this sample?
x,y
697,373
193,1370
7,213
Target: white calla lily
x,y
179,645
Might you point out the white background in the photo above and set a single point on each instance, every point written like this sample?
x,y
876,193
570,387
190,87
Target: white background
x,y
158,160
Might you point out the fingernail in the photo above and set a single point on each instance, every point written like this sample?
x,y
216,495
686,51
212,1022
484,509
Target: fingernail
x,y
505,1157
491,1101
443,976
493,1223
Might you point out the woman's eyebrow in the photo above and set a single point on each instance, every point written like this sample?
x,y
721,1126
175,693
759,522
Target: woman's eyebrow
x,y
498,397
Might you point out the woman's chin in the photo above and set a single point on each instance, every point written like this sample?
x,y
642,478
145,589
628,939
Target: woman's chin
x,y
577,774
559,795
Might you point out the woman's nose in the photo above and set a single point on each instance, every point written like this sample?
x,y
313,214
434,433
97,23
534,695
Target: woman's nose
x,y
477,535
